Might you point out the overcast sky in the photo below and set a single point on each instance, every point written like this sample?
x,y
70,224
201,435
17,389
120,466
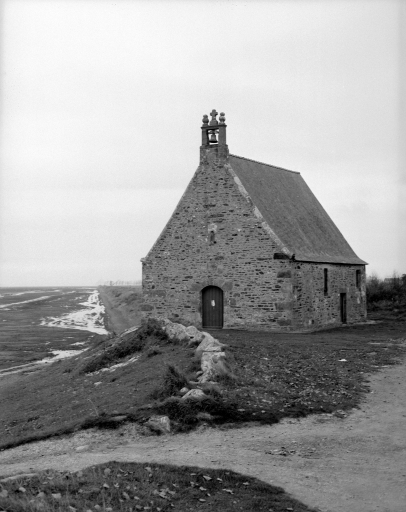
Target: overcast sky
x,y
102,105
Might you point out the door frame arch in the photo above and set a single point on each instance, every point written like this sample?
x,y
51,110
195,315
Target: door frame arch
x,y
212,319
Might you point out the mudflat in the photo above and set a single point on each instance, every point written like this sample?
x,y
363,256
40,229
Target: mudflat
x,y
22,337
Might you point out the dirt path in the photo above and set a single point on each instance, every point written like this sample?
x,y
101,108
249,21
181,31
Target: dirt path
x,y
341,465
118,317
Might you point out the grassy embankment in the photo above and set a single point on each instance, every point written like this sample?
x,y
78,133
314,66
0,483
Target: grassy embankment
x,y
277,375
122,306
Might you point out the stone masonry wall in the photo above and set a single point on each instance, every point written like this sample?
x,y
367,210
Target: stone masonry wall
x,y
215,237
312,308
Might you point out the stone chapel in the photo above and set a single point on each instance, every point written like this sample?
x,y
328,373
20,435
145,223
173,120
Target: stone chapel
x,y
250,247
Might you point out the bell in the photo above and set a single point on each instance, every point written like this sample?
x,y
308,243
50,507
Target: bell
x,y
213,137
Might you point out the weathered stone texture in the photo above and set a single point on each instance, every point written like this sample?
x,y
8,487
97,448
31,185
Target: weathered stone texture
x,y
218,236
313,308
238,258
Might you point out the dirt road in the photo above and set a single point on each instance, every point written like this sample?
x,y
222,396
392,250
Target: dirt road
x,y
357,463
119,314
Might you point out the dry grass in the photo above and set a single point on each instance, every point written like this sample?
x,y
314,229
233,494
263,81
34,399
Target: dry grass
x,y
155,487
300,374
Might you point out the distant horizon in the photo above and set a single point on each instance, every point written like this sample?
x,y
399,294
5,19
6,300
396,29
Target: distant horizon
x,y
67,285
373,274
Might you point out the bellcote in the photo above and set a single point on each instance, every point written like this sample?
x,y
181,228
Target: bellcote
x,y
214,145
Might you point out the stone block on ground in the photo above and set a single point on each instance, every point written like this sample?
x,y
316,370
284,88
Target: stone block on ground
x,y
82,448
194,394
204,416
195,336
214,365
209,344
174,330
159,424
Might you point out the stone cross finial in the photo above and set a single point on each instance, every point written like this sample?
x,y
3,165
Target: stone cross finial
x,y
214,141
213,114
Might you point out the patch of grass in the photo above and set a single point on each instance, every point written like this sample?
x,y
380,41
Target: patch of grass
x,y
150,334
156,487
153,351
194,365
186,413
172,382
293,375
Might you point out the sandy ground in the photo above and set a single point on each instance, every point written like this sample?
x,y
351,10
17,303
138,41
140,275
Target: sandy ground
x,y
356,463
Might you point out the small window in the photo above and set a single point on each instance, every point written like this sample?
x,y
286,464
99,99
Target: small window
x,y
280,256
358,279
325,281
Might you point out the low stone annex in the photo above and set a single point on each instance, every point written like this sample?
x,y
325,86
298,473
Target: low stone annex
x,y
249,246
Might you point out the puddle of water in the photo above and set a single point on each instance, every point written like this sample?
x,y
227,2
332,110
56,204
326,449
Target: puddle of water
x,y
118,365
89,319
58,354
6,306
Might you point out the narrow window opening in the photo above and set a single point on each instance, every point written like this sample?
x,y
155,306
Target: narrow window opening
x,y
280,256
325,281
212,237
358,279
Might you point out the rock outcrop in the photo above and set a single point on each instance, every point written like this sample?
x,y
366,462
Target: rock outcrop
x,y
209,350
213,365
194,394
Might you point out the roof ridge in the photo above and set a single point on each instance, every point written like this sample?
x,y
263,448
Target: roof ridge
x,y
262,163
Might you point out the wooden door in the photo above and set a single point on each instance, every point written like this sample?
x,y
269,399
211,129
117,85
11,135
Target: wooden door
x,y
343,307
212,307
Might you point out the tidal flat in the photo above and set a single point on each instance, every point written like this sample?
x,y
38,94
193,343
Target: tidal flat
x,y
36,323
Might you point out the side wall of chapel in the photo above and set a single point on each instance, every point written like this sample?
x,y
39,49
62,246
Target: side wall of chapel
x,y
215,238
313,307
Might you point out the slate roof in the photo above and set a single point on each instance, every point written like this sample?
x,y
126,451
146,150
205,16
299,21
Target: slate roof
x,y
293,212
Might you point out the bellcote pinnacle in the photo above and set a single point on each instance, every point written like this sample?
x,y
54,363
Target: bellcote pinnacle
x,y
214,136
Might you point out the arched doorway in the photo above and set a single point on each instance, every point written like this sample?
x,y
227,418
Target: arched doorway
x,y
212,307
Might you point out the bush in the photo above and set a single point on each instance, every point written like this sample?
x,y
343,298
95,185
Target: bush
x,y
211,389
186,413
173,381
195,364
386,293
